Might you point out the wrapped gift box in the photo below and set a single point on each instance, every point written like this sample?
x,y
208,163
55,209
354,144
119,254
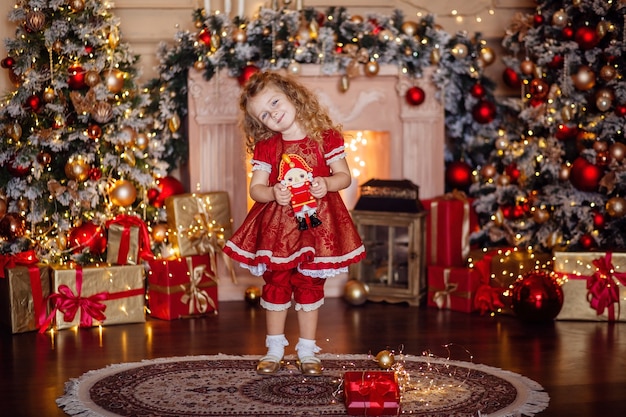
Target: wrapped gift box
x,y
449,223
183,287
92,296
23,297
200,222
371,393
452,288
594,285
128,240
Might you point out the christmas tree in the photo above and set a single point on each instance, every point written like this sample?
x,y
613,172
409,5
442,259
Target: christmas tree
x,y
556,178
74,135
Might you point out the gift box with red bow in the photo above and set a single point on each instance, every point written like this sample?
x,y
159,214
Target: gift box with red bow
x,y
452,288
24,287
450,220
371,393
128,240
594,285
92,296
182,287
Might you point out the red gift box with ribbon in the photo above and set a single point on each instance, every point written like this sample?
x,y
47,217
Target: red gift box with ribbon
x,y
24,288
450,219
452,288
593,284
128,240
371,393
92,296
182,287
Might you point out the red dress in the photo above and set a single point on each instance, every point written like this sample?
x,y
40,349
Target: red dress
x,y
269,238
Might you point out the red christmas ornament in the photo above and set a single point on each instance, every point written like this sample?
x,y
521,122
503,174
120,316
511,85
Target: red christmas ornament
x,y
478,90
76,79
34,103
511,78
620,110
586,37
556,62
246,73
565,132
538,20
7,62
458,175
584,175
568,32
415,96
513,172
12,226
90,236
204,36
166,187
537,297
599,221
484,111
587,241
88,49
94,173
18,170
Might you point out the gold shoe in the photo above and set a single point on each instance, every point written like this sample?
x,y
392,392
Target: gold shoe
x,y
310,365
268,365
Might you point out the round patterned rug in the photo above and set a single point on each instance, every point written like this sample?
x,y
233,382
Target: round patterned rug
x,y
222,385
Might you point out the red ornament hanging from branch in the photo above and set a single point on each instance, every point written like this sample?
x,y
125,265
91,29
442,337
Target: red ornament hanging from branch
x,y
415,96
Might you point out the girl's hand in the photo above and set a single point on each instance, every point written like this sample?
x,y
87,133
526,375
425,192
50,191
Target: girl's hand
x,y
319,187
282,195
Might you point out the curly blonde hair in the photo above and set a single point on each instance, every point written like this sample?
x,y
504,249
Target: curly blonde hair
x,y
310,114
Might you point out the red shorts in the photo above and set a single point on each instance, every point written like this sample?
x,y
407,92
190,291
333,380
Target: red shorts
x,y
281,286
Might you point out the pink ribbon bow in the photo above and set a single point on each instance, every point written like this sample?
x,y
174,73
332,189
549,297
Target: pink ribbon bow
x,y
603,287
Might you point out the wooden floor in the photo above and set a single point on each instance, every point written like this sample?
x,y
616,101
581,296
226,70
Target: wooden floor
x,y
582,365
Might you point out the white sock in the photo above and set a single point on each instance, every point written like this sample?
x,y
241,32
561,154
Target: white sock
x,y
306,347
276,345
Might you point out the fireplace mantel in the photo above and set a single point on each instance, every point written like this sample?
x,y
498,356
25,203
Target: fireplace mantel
x,y
217,160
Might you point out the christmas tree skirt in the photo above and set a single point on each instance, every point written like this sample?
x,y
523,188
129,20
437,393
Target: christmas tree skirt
x,y
224,385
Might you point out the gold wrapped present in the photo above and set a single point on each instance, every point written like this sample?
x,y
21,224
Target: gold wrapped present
x,y
23,294
92,296
594,285
199,223
128,240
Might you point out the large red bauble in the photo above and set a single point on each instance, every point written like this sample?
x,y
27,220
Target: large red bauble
x,y
17,170
458,175
76,79
568,32
513,172
586,37
246,73
538,19
205,36
584,175
511,78
478,90
415,96
12,226
599,221
484,111
557,62
88,235
166,187
7,62
620,110
34,103
587,241
565,132
537,297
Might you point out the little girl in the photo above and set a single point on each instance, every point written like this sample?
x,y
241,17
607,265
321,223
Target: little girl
x,y
288,130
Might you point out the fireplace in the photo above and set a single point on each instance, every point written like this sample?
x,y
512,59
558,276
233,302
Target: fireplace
x,y
410,138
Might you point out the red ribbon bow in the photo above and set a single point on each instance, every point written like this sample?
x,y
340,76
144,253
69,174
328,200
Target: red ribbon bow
x,y
488,298
376,388
26,258
128,221
603,287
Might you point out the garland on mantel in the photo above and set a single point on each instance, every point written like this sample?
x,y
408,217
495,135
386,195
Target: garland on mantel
x,y
341,44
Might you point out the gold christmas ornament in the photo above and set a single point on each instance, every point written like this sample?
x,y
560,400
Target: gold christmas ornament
x,y
159,232
130,135
3,207
564,172
294,68
617,151
141,141
216,41
560,18
35,21
355,292
435,56
49,95
199,65
600,146
503,180
371,68
14,130
459,51
353,69
409,28
602,28
92,78
94,131
344,83
57,46
77,168
252,295
114,37
102,112
385,359
385,35
77,5
174,123
240,35
488,171
44,158
22,204
616,207
123,193
527,67
608,72
358,19
487,56
584,79
540,215
114,79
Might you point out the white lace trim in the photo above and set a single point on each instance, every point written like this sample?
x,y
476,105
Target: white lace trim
x,y
309,307
260,165
275,307
322,273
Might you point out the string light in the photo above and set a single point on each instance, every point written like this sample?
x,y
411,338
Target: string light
x,y
459,17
